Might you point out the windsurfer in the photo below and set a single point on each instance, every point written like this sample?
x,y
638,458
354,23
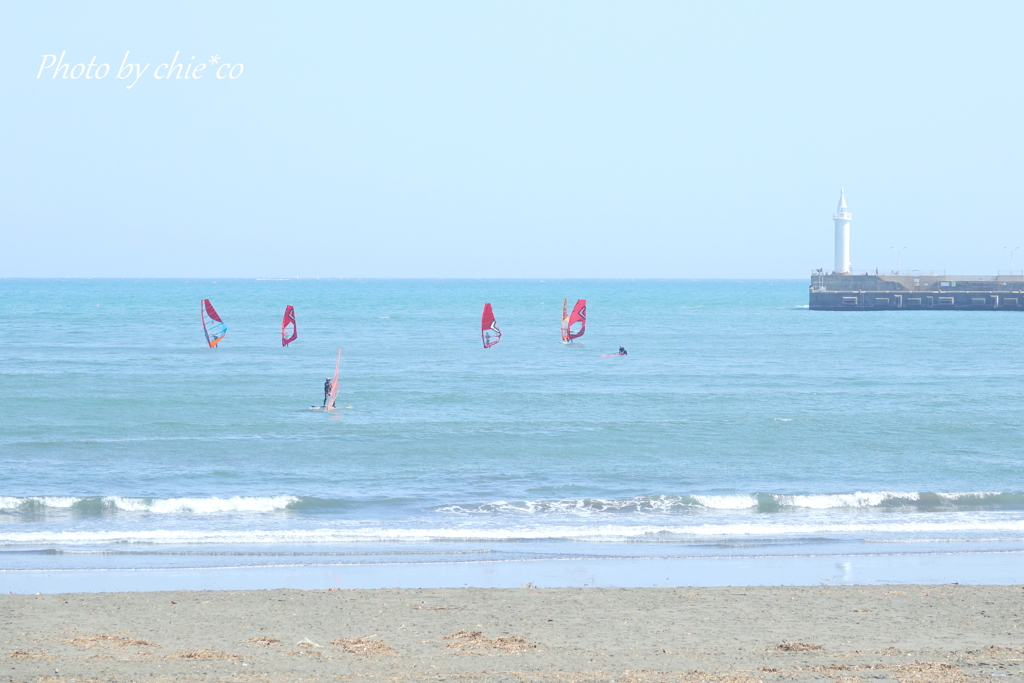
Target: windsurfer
x,y
327,390
622,351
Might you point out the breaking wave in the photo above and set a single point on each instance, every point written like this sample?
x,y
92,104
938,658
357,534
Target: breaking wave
x,y
755,502
654,504
98,504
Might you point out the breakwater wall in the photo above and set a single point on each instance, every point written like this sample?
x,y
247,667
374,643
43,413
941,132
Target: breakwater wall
x,y
893,301
841,292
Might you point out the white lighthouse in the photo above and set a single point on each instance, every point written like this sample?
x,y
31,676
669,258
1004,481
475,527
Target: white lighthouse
x,y
842,217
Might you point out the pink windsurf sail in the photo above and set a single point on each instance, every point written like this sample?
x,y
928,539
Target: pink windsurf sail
x,y
578,316
489,331
289,331
213,326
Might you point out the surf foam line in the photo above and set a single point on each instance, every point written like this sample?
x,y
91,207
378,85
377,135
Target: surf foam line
x,y
666,503
98,504
754,502
603,533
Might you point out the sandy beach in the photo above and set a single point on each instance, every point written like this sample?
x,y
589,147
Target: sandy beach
x,y
906,633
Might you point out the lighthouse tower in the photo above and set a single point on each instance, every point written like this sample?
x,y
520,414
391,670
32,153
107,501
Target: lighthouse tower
x,y
842,217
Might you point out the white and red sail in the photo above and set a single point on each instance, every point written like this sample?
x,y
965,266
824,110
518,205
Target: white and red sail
x,y
565,320
333,396
213,326
489,331
577,317
289,331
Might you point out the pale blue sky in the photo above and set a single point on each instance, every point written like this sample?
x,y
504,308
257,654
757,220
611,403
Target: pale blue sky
x,y
512,139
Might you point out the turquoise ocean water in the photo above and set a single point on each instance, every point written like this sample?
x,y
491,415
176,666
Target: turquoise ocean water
x,y
741,425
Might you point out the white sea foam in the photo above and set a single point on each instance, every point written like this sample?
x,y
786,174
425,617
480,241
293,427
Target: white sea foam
x,y
581,506
590,533
960,495
668,503
740,502
57,502
735,502
153,505
847,500
591,506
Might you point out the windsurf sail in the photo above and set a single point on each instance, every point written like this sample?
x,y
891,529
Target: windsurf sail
x,y
213,326
565,320
289,332
578,315
334,383
489,331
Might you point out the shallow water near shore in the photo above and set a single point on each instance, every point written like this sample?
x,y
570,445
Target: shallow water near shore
x,y
740,425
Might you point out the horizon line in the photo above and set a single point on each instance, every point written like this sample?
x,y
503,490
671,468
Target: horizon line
x,y
430,279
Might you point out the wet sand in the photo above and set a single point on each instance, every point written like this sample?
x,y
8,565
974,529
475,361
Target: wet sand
x,y
920,634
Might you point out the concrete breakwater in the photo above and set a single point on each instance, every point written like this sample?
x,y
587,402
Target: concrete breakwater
x,y
841,292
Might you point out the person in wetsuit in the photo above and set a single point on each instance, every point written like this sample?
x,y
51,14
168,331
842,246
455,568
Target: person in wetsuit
x,y
622,351
327,390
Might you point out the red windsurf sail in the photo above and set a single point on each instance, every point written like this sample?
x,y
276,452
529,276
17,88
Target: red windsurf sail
x,y
213,326
578,315
289,332
489,331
